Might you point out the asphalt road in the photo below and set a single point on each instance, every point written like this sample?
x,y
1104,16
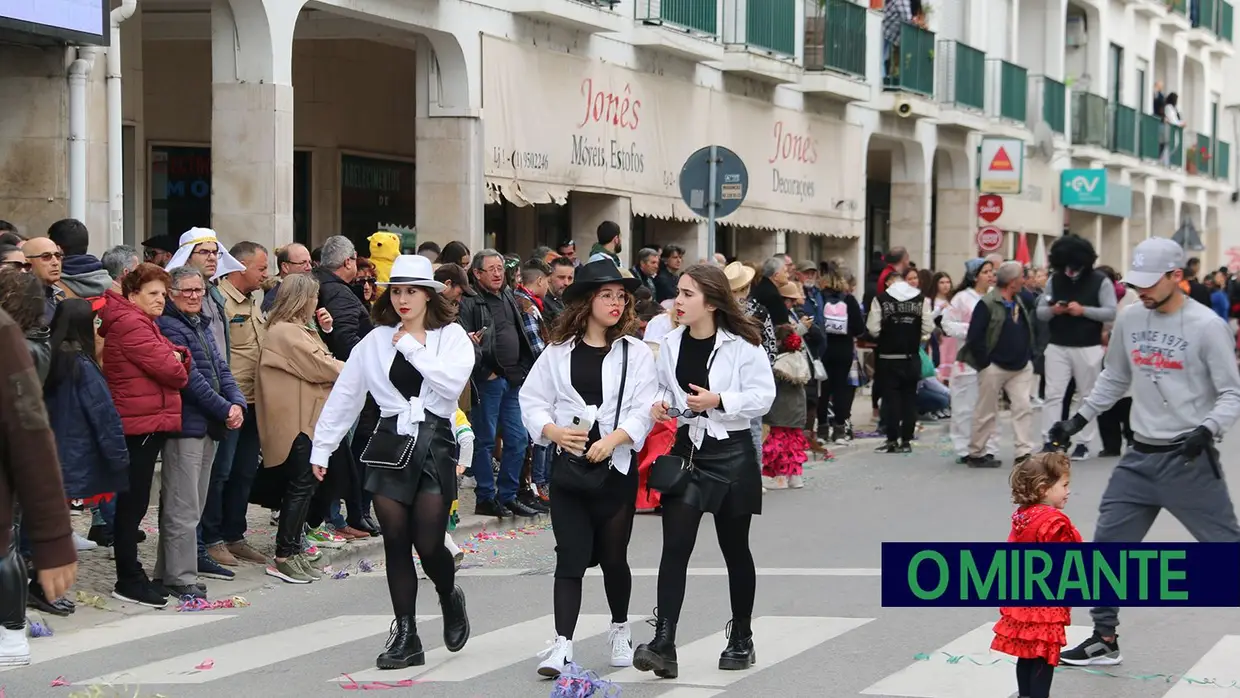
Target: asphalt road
x,y
820,626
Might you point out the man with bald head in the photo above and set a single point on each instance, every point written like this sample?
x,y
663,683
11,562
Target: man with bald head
x,y
293,258
45,260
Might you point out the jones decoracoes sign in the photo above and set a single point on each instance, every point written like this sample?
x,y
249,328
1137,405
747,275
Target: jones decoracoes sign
x,y
554,122
78,20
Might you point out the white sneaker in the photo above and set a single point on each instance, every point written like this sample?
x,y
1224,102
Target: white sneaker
x,y
795,482
83,543
621,640
778,482
14,647
557,657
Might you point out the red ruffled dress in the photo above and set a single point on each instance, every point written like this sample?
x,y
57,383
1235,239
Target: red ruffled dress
x,y
1036,632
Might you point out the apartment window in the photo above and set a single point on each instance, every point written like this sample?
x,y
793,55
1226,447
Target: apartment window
x,y
1117,74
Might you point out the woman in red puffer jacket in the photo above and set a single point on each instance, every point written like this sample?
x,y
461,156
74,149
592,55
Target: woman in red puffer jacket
x,y
145,373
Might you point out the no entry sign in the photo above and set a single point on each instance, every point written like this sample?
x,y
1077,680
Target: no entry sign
x,y
989,207
989,239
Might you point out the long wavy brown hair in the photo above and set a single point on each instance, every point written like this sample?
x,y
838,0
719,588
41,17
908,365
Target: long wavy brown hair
x,y
716,291
1031,479
571,324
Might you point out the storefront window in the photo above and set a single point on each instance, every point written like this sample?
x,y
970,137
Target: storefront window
x,y
374,193
181,191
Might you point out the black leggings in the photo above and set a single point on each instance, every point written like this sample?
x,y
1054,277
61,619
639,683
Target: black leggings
x,y
1033,678
14,587
588,532
422,528
680,529
300,486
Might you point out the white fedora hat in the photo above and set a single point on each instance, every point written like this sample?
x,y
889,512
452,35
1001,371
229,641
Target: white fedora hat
x,y
412,270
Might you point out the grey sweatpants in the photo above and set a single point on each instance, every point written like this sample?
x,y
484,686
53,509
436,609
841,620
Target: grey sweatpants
x,y
1142,485
183,482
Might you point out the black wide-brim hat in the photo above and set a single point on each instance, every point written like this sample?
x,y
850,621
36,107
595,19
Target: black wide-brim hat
x,y
163,243
595,274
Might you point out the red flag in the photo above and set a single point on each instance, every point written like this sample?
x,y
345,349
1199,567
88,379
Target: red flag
x,y
1022,249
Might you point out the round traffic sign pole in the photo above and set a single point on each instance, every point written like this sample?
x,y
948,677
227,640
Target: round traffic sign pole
x,y
989,239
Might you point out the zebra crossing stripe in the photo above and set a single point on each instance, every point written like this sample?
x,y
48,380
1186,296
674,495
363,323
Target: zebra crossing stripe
x,y
778,638
115,633
252,653
1219,664
937,678
691,692
486,653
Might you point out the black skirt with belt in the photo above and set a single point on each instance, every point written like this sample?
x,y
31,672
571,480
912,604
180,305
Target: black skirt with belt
x,y
728,475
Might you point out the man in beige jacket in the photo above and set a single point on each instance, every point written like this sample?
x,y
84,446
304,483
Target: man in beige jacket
x,y
224,518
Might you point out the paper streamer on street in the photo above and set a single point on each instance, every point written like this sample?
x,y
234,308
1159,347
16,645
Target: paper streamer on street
x,y
1163,678
190,603
576,682
375,685
93,600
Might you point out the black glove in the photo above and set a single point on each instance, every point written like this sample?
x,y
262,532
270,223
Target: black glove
x,y
1061,432
1196,442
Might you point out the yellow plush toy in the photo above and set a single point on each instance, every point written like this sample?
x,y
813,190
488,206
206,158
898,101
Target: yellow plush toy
x,y
384,249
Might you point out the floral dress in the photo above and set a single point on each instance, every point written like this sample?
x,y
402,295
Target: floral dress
x,y
1036,632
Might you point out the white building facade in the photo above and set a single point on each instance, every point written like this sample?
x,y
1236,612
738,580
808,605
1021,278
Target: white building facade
x,y
517,123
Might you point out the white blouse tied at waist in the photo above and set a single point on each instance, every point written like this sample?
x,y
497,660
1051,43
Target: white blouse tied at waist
x,y
548,396
445,362
740,374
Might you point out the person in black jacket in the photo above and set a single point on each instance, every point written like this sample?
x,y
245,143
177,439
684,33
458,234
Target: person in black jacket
x,y
670,261
766,290
503,358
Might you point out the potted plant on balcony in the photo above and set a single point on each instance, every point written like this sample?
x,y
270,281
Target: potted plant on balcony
x,y
1198,160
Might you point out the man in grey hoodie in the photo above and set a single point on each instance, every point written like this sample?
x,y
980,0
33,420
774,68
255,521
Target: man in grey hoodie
x,y
1178,358
81,275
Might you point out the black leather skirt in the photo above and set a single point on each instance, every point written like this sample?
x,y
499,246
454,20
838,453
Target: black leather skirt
x,y
728,475
431,467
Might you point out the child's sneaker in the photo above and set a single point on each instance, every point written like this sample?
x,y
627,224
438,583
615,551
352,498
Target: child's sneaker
x,y
1093,652
795,482
324,538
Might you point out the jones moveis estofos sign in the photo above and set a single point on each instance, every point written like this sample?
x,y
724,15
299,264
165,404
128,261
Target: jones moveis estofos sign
x,y
556,119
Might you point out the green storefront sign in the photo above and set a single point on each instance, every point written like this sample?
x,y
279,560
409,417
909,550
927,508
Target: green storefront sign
x,y
1083,188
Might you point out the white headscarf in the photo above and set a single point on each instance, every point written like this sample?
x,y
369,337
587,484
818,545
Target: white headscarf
x,y
196,236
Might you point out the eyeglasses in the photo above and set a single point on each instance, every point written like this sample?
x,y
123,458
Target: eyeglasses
x,y
609,297
189,292
202,252
47,255
687,414
23,266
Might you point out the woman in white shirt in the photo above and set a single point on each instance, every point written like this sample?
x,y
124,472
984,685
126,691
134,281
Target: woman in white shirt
x,y
415,363
979,276
1171,117
715,377
589,394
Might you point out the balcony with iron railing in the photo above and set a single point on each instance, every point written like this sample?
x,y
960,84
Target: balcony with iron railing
x,y
912,62
1175,146
1053,97
1150,136
962,80
835,37
1090,120
1222,161
1226,20
587,16
1206,15
1124,130
694,16
768,26
1013,81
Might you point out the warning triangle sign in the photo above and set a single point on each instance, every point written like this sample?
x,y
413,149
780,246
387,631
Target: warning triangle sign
x,y
1001,161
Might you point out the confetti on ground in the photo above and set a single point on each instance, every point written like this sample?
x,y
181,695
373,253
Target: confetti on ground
x,y
576,682
363,566
1162,678
111,692
59,681
190,603
374,685
38,629
93,600
206,664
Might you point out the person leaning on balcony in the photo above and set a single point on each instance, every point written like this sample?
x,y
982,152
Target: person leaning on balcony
x,y
896,13
1171,117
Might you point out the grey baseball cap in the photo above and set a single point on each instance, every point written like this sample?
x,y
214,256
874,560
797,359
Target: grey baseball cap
x,y
1153,258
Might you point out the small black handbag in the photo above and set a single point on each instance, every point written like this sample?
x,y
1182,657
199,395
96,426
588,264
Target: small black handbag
x,y
573,472
670,475
386,448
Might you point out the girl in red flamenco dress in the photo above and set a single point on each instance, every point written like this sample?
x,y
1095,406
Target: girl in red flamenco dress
x,y
1035,635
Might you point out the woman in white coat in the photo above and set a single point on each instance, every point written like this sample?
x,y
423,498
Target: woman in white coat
x,y
979,276
589,394
715,377
415,363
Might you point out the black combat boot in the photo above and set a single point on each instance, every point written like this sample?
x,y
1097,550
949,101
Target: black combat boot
x,y
659,655
404,647
455,620
739,654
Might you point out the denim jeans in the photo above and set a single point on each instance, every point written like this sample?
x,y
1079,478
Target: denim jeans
x,y
540,466
104,514
231,525
221,468
498,409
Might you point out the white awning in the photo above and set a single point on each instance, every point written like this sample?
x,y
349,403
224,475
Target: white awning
x,y
663,208
525,193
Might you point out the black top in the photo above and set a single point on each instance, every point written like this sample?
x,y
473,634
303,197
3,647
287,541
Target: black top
x,y
1012,351
586,374
507,333
901,325
1070,330
406,378
691,365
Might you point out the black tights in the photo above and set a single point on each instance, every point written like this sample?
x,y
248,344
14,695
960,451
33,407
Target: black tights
x,y
680,529
611,551
422,528
1033,678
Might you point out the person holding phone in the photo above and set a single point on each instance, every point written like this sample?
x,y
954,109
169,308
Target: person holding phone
x,y
716,377
589,395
